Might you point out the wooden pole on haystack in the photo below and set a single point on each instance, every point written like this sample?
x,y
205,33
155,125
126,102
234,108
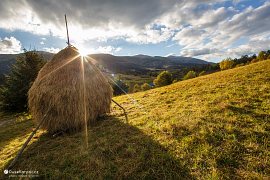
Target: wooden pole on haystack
x,y
67,30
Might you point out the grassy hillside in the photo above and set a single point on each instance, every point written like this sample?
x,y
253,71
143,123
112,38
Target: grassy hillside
x,y
214,126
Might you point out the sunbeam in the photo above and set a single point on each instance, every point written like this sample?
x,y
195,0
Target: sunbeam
x,y
134,101
72,59
84,102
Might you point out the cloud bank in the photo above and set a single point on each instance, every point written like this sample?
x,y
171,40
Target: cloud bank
x,y
202,28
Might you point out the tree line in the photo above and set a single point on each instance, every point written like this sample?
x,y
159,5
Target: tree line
x,y
229,63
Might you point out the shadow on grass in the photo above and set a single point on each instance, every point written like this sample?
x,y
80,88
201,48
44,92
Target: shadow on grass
x,y
115,150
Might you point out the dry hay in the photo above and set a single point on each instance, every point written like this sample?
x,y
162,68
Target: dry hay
x,y
60,96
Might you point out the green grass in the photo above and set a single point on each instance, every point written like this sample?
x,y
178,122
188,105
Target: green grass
x,y
132,79
211,127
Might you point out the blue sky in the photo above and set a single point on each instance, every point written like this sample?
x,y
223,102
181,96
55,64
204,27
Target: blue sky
x,y
208,29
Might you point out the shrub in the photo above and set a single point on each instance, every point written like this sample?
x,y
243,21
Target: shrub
x,y
262,56
202,73
163,79
119,87
239,65
254,61
145,87
136,88
226,64
190,75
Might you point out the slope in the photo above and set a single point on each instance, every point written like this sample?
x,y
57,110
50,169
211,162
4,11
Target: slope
x,y
215,126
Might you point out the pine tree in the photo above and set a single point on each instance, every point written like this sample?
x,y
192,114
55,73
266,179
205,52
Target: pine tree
x,y
13,93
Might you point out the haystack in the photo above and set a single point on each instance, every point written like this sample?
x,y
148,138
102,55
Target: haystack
x,y
69,93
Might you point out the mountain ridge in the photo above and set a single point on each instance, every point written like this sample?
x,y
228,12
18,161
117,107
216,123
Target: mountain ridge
x,y
121,64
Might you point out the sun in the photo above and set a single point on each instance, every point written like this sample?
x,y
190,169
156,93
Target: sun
x,y
83,51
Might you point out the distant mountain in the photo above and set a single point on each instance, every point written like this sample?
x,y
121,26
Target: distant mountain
x,y
6,60
187,60
143,63
137,64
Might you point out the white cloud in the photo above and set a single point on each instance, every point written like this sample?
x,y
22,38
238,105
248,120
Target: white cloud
x,y
235,2
253,46
197,52
100,49
213,17
151,35
10,45
106,49
94,20
190,36
170,54
220,29
170,45
42,43
51,49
